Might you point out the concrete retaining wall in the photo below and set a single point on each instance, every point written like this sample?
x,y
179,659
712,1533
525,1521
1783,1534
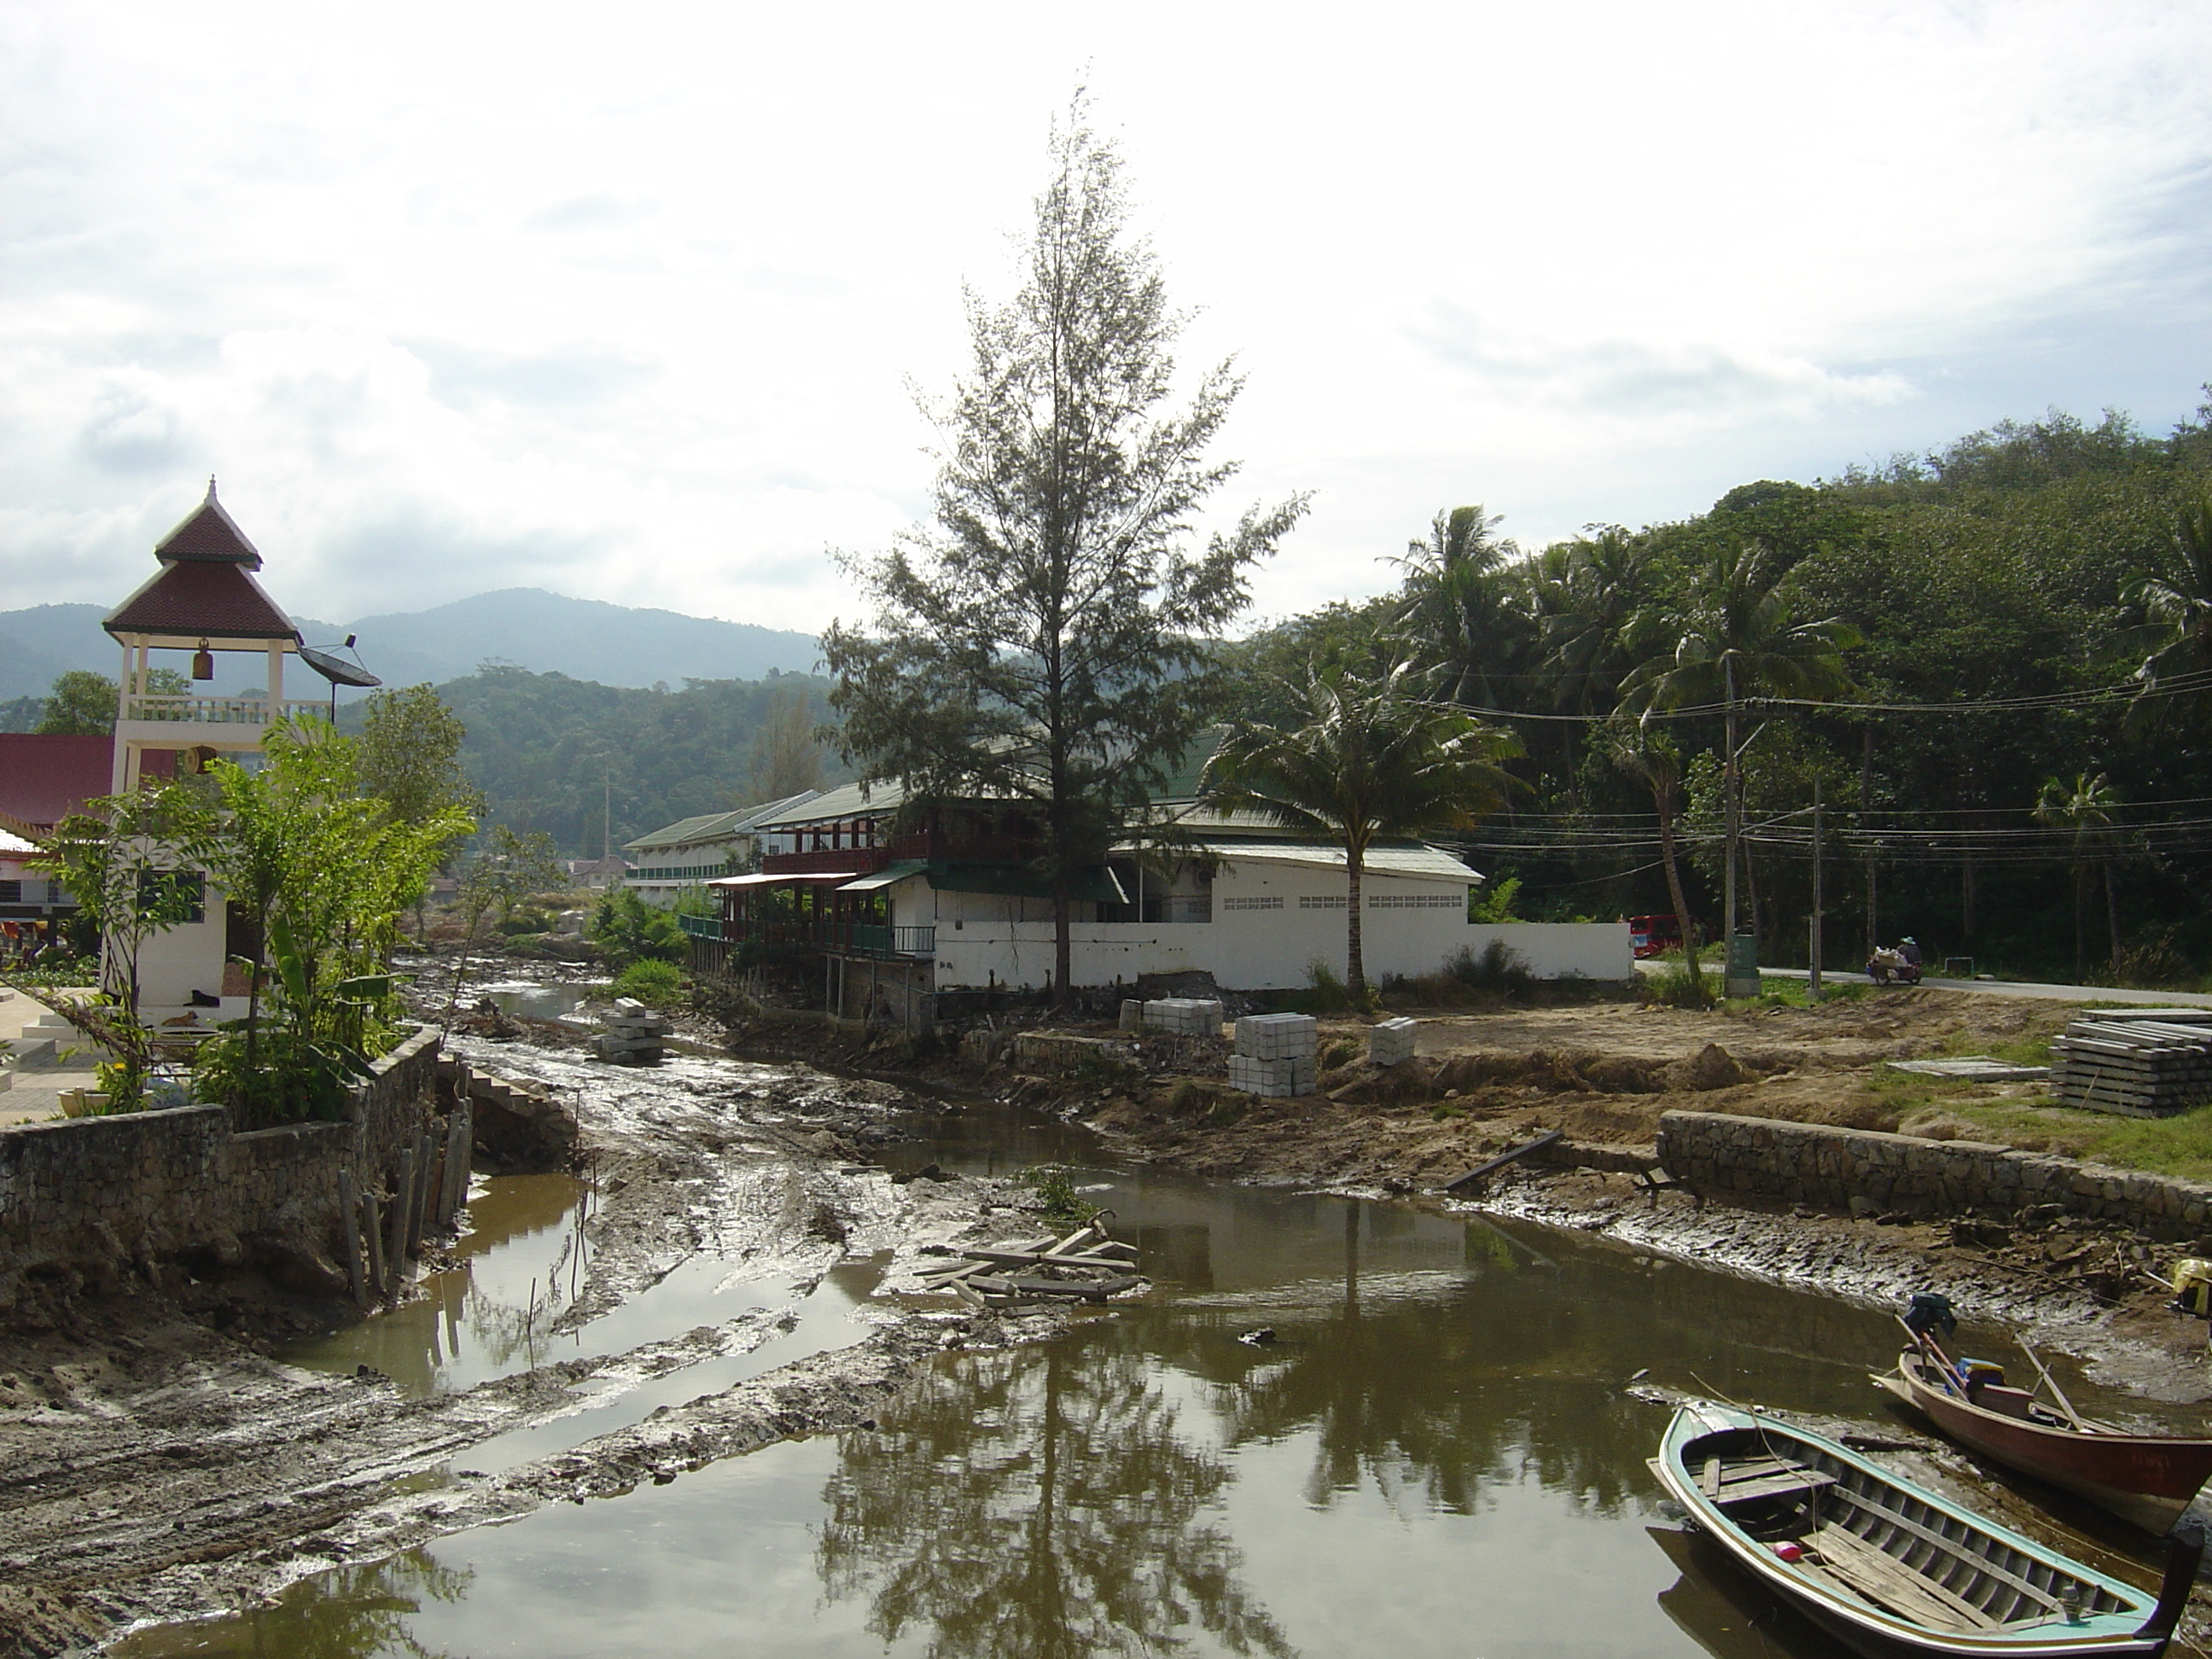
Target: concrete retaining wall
x,y
94,1194
1863,1171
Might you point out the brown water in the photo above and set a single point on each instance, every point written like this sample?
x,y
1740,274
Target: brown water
x,y
1435,1455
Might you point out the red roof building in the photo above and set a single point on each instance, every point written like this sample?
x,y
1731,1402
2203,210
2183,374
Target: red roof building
x,y
203,600
43,780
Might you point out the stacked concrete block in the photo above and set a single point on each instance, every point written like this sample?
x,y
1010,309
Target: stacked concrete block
x,y
1184,1015
1132,1016
1274,1056
1277,1079
1390,1041
633,1035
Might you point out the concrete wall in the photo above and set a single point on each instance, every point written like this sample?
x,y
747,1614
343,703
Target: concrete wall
x,y
1863,1171
94,1195
1269,921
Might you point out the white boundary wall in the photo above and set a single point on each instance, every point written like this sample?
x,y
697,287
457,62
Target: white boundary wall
x,y
1269,920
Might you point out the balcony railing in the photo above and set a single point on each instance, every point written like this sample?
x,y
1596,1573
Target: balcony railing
x,y
701,927
871,940
217,711
862,938
827,862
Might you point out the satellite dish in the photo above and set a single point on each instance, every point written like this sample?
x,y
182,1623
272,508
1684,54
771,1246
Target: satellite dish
x,y
336,669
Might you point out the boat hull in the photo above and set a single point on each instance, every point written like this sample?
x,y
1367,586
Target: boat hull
x,y
2109,1617
2148,1479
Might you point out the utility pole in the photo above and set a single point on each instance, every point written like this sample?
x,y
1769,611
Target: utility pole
x,y
1739,966
1813,980
607,819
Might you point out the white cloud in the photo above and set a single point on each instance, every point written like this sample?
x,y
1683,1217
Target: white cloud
x,y
625,305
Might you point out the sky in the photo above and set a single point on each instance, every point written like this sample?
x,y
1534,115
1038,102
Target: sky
x,y
634,303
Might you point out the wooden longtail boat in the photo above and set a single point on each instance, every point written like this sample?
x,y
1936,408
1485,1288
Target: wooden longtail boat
x,y
2147,1479
1887,1566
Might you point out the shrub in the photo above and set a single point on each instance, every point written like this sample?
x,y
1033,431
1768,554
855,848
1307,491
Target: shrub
x,y
1325,993
1500,969
1674,988
630,930
650,981
1057,1200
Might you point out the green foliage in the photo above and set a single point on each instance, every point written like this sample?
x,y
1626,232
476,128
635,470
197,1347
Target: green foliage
x,y
1371,760
410,755
1325,993
651,981
1495,903
80,704
629,930
1678,987
1040,640
551,753
1053,1196
1500,969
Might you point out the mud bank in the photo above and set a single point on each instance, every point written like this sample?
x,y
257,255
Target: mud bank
x,y
155,1467
2086,1284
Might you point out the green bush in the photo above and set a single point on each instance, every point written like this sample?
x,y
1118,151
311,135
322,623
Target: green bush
x,y
1674,988
650,981
1500,968
630,930
1056,1197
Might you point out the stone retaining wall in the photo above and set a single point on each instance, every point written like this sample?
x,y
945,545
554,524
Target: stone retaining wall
x,y
1868,1172
94,1194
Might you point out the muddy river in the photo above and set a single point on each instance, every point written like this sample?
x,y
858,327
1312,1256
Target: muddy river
x,y
1335,1428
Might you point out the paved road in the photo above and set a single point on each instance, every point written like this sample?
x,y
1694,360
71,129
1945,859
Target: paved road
x,y
2009,988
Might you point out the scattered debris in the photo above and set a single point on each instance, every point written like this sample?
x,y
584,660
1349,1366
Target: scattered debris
x,y
1086,1266
1550,1137
1979,1068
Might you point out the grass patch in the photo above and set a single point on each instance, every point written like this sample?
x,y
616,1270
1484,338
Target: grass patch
x,y
1797,994
2179,1145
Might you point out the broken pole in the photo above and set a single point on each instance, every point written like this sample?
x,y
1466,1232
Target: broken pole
x,y
374,1235
418,1192
349,1207
402,1194
1548,1138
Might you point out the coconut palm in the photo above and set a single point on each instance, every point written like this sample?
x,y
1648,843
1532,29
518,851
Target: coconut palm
x,y
1374,760
1653,757
2176,610
1457,608
2083,807
1735,634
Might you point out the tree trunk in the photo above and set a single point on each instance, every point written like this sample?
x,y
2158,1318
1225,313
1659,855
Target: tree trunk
x,y
2080,924
2111,915
1683,924
1355,964
1063,912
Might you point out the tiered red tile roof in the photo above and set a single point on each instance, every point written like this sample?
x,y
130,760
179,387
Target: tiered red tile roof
x,y
205,586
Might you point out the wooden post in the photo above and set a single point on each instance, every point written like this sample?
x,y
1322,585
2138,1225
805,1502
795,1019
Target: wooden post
x,y
349,1206
375,1236
425,1150
463,1157
403,1190
450,1183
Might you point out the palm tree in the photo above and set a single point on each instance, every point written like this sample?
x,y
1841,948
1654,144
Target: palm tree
x,y
1373,761
1457,606
1733,634
2084,806
1653,756
1586,628
2178,610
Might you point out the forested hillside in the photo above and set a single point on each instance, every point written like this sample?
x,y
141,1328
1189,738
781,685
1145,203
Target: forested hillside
x,y
563,755
1996,760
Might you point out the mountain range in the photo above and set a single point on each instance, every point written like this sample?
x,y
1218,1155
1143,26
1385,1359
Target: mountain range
x,y
547,633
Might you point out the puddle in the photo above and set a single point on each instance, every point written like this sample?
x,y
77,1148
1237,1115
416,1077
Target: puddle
x,y
533,1002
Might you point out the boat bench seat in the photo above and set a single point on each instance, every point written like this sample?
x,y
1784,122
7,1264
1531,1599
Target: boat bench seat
x,y
1784,1482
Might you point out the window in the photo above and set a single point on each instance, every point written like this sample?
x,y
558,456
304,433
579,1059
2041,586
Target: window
x,y
1416,901
11,892
1321,901
1253,903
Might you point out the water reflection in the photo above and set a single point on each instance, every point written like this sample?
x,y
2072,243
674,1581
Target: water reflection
x,y
521,1262
354,1612
1040,1504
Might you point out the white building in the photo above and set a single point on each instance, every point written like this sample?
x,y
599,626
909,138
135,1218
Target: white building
x,y
960,905
691,852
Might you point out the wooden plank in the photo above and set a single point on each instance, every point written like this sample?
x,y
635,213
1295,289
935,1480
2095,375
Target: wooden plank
x,y
1879,1577
1088,1290
1795,1483
1711,1483
1953,1547
1032,1258
1548,1138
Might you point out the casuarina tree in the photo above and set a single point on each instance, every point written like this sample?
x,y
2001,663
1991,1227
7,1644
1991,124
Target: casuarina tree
x,y
1041,641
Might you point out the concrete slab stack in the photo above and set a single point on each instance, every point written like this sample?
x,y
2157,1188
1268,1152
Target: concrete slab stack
x,y
1391,1041
632,1035
2142,1063
1274,1056
1184,1015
